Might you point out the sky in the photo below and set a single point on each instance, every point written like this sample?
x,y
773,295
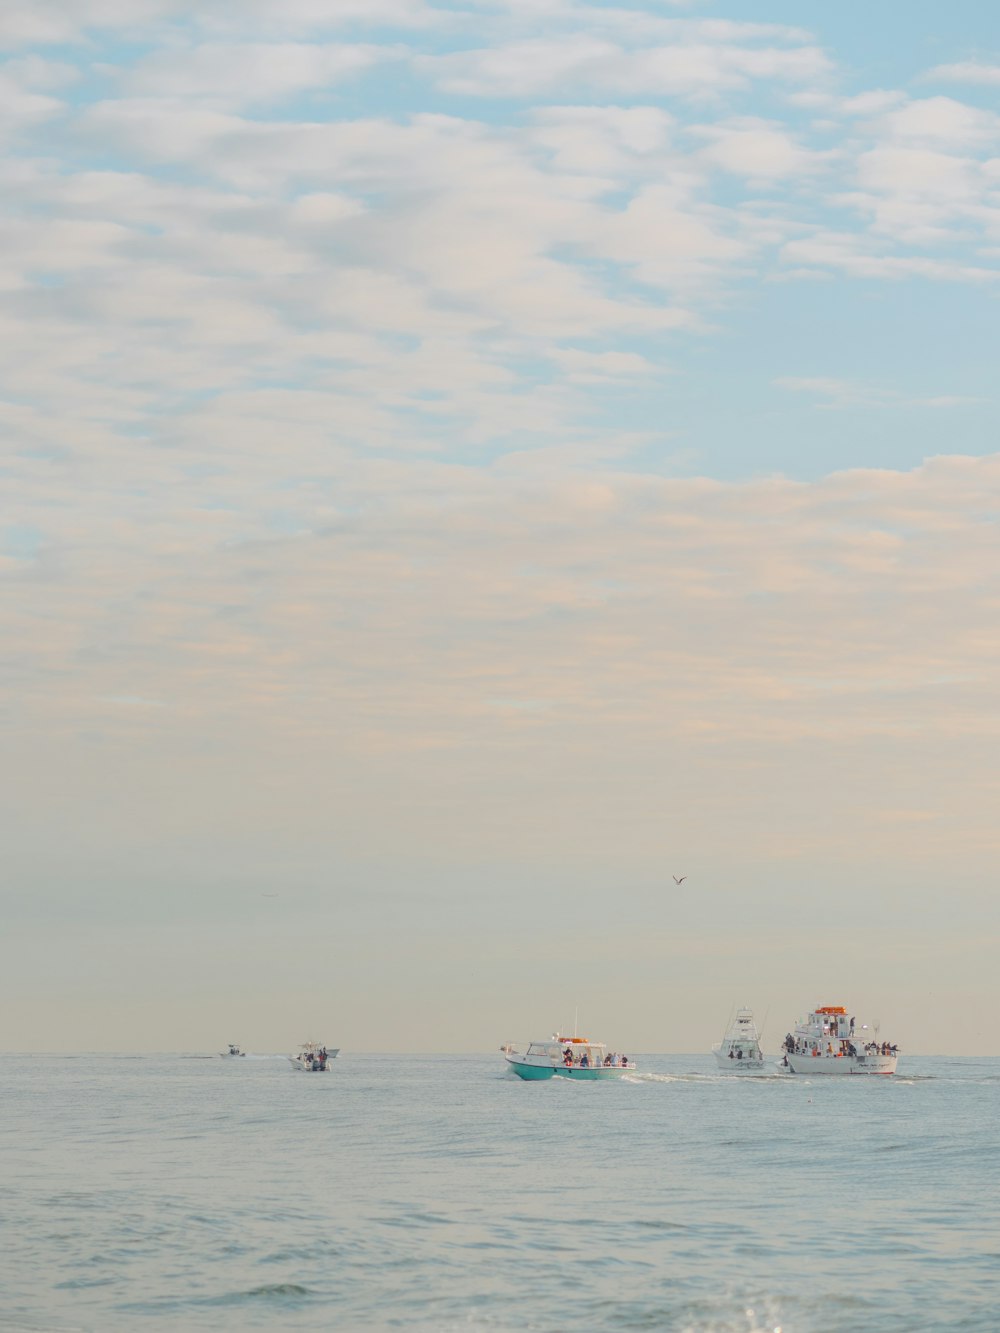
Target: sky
x,y
466,462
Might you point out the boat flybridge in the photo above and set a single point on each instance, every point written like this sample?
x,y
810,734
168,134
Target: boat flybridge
x,y
739,1051
829,1042
567,1057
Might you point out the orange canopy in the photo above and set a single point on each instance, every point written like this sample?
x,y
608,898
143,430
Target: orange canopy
x,y
831,1009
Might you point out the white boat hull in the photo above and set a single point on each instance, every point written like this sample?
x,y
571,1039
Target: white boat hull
x,y
735,1066
841,1064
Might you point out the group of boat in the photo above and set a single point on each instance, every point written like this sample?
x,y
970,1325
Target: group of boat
x,y
312,1058
827,1041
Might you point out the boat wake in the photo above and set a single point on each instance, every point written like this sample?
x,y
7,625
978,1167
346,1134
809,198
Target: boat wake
x,y
773,1076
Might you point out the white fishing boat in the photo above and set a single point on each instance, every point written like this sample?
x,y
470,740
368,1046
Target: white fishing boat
x,y
314,1058
830,1042
567,1057
232,1053
739,1052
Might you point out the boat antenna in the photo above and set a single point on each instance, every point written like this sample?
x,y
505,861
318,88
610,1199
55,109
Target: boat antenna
x,y
576,1019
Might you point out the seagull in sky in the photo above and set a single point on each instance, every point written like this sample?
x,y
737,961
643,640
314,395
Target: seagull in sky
x,y
681,880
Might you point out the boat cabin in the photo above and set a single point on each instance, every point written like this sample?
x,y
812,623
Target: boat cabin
x,y
574,1052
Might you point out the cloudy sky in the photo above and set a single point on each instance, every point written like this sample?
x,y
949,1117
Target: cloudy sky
x,y
468,461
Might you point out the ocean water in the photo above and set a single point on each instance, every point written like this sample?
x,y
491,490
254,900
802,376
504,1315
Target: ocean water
x,y
440,1193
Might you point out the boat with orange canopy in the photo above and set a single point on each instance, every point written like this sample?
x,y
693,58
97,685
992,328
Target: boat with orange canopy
x,y
829,1041
567,1057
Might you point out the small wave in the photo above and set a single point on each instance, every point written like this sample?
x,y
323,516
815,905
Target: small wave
x,y
277,1289
271,1291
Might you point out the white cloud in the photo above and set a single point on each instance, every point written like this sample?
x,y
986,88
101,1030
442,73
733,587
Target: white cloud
x,y
605,140
47,22
873,102
21,107
233,75
856,255
841,393
966,71
757,149
943,123
584,367
704,60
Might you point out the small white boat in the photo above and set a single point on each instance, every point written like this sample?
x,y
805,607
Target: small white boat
x,y
739,1051
233,1051
829,1042
314,1058
567,1057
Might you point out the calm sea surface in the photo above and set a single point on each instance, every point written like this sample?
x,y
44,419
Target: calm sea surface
x,y
437,1192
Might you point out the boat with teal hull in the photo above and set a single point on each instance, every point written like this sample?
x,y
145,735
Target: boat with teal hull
x,y
567,1057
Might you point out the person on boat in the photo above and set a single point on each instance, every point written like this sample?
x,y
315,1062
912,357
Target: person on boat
x,y
584,1061
624,1062
607,1059
567,1057
732,1054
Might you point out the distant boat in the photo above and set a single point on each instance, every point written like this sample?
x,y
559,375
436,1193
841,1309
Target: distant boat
x,y
567,1057
314,1058
233,1051
828,1042
739,1051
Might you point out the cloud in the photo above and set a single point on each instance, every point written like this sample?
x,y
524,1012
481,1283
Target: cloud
x,y
21,107
966,71
841,393
51,22
757,149
704,59
943,123
849,253
234,75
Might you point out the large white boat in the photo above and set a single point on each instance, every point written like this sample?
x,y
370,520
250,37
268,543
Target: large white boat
x,y
313,1057
829,1042
567,1057
739,1051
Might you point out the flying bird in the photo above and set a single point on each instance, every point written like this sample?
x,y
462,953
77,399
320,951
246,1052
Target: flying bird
x,y
681,880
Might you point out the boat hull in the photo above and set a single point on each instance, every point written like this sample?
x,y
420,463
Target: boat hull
x,y
532,1073
842,1065
735,1066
